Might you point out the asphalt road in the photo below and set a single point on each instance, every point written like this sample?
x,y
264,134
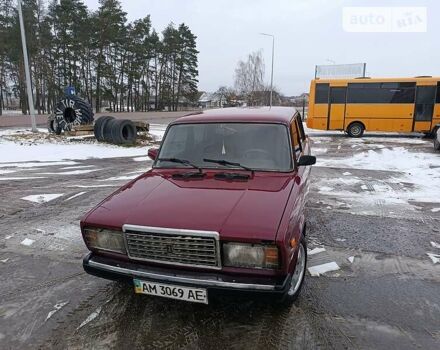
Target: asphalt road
x,y
388,297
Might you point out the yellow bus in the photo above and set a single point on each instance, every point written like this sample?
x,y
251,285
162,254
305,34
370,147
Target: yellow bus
x,y
366,104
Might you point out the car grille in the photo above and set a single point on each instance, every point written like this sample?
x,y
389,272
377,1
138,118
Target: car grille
x,y
170,248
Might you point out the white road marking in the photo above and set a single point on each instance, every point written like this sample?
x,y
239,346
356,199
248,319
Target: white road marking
x,y
318,270
42,198
74,196
27,242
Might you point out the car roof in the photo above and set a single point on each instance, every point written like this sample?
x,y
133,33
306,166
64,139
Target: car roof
x,y
241,114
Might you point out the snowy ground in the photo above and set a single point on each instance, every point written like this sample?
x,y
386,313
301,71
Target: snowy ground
x,y
21,145
373,240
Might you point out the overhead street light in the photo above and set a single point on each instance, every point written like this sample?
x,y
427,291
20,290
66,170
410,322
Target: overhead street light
x,y
271,74
26,69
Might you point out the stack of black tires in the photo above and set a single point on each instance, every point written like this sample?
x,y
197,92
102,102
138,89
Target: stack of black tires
x,y
116,131
70,111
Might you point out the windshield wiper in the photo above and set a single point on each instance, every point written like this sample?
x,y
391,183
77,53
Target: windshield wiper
x,y
181,161
226,163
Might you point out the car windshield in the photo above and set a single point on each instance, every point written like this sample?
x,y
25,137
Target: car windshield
x,y
256,146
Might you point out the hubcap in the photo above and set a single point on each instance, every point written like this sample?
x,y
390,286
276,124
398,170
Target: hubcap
x,y
356,130
298,274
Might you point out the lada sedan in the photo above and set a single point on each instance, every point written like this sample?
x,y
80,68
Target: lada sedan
x,y
221,209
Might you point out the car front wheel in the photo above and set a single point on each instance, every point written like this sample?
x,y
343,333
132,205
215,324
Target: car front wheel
x,y
298,274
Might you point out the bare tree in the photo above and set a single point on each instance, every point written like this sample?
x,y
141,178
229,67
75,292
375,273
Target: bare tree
x,y
249,77
226,95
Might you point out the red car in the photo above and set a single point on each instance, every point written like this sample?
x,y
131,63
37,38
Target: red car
x,y
221,209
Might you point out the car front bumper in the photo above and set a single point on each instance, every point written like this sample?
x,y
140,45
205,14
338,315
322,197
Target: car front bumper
x,y
126,271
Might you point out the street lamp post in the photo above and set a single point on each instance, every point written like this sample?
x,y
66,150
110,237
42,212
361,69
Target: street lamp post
x,y
26,69
271,74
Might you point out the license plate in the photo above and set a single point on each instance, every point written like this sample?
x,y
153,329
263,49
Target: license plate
x,y
195,295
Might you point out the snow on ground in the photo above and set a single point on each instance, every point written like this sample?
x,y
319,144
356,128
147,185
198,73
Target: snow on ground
x,y
71,172
27,242
32,164
18,178
317,270
417,168
42,198
37,149
74,196
157,131
13,152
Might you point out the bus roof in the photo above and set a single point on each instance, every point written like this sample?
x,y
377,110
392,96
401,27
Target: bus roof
x,y
427,79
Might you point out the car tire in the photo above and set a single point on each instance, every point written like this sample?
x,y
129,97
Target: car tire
x,y
297,279
124,132
98,128
72,111
355,129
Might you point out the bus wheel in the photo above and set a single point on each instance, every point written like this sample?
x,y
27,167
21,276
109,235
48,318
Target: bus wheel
x,y
355,130
437,139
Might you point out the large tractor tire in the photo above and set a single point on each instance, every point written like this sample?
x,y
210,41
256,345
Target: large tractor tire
x,y
72,111
51,124
123,132
100,126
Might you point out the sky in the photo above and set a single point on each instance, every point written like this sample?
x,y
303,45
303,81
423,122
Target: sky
x,y
307,33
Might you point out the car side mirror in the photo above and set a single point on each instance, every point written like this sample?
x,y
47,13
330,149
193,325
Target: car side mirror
x,y
152,153
306,160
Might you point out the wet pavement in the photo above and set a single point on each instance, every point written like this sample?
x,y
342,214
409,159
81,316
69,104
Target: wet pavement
x,y
376,222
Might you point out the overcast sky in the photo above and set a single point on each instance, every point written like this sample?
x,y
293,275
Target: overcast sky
x,y
307,32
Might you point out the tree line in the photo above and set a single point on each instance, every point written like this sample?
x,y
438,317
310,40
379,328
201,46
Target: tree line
x,y
111,62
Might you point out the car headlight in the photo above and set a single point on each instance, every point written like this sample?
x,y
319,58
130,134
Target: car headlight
x,y
103,239
250,255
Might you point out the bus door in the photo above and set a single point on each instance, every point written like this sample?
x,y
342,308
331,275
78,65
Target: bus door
x,y
336,108
424,108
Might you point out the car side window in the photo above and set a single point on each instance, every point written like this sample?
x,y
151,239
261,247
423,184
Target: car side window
x,y
296,138
301,128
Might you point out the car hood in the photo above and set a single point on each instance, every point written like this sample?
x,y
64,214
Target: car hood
x,y
236,209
